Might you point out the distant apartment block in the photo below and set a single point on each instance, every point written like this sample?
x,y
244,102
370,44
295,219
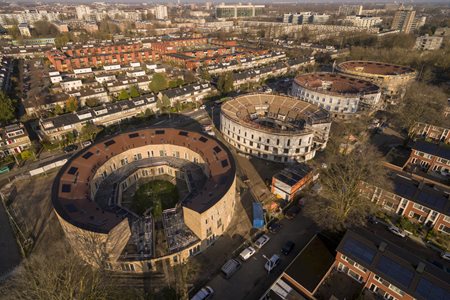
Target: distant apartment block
x,y
24,30
405,20
349,10
224,11
305,18
13,139
427,42
363,21
161,12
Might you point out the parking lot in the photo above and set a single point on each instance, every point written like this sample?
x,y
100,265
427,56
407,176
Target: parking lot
x,y
252,280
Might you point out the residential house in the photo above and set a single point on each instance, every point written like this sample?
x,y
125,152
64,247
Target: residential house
x,y
13,139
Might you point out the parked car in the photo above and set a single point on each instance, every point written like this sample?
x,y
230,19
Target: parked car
x,y
272,263
372,219
203,106
86,143
230,267
292,212
397,231
275,226
445,255
262,241
70,148
205,293
247,253
288,247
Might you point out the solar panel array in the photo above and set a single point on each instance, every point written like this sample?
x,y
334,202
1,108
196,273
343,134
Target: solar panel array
x,y
359,250
430,291
395,271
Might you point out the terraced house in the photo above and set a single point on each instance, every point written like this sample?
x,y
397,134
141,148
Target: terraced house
x,y
13,139
431,157
422,202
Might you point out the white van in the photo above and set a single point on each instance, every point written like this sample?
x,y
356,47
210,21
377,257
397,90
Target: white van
x,y
230,267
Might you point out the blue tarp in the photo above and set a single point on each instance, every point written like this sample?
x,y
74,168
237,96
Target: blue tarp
x,y
258,215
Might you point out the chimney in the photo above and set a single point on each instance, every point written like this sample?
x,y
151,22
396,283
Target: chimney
x,y
420,267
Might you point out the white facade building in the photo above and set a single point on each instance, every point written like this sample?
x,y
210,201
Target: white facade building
x,y
161,12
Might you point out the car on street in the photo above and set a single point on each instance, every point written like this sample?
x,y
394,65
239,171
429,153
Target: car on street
x,y
205,293
272,263
247,253
288,247
275,226
230,267
397,231
86,143
445,255
70,148
372,219
260,242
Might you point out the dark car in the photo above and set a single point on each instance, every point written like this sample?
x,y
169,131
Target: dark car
x,y
292,212
288,247
372,219
275,226
70,148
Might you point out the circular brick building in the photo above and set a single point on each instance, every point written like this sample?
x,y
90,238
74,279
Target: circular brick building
x,y
272,127
343,96
87,197
392,78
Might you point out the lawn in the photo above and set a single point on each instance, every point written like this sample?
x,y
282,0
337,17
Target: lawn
x,y
157,195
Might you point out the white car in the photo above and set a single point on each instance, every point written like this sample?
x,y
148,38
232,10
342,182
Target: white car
x,y
272,263
203,107
445,255
247,253
86,143
262,241
397,231
203,294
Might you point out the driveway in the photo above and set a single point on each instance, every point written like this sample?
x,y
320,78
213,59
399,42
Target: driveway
x,y
252,280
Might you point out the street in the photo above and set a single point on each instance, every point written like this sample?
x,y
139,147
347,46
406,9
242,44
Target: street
x,y
252,280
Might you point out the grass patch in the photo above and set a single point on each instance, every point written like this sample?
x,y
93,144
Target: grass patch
x,y
157,195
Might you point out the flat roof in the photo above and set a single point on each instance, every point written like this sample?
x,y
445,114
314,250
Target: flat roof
x,y
71,190
336,84
313,263
296,113
374,67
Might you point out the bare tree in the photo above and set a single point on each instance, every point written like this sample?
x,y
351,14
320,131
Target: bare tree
x,y
341,203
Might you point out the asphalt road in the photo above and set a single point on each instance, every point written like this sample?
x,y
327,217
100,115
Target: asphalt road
x,y
252,280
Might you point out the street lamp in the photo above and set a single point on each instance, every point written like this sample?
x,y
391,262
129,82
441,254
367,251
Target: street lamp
x,y
270,264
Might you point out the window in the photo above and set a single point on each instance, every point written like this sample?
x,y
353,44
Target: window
x,y
208,231
124,161
137,156
162,153
219,223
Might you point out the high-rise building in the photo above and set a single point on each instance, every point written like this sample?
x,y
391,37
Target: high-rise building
x,y
24,30
403,20
305,18
350,10
238,10
82,11
161,12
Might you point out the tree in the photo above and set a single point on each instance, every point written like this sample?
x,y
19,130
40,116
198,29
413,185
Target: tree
x,y
71,104
58,109
92,102
189,77
43,28
422,103
158,83
123,95
225,82
341,204
134,92
176,83
89,131
7,110
166,101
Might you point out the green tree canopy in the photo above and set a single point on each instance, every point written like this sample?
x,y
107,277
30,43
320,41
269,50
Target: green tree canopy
x,y
158,83
225,82
123,95
71,104
7,110
92,102
134,92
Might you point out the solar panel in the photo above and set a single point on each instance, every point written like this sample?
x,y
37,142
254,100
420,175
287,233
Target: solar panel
x,y
395,271
110,142
359,250
159,132
217,149
430,291
66,188
71,207
72,170
224,163
203,139
183,133
133,135
87,155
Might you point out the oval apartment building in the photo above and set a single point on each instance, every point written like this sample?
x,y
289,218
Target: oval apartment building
x,y
343,96
89,197
276,128
392,78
